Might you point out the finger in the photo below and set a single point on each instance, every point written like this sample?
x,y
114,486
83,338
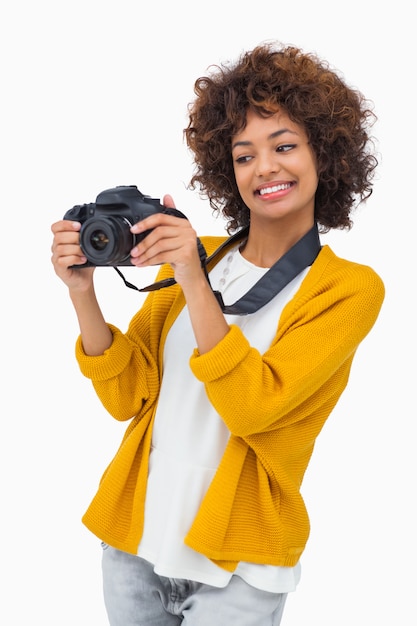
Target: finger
x,y
159,237
156,254
68,254
154,220
168,202
65,226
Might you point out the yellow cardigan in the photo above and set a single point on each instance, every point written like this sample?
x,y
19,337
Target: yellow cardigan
x,y
274,405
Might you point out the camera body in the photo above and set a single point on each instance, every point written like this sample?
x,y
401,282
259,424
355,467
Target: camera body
x,y
105,236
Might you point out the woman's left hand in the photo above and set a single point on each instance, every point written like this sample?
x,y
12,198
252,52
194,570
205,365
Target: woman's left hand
x,y
171,240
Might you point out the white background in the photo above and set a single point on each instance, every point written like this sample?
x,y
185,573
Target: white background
x,y
93,95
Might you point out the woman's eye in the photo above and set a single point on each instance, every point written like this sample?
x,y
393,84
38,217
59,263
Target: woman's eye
x,y
243,159
286,147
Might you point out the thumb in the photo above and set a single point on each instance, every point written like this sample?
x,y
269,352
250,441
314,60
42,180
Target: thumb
x,y
168,202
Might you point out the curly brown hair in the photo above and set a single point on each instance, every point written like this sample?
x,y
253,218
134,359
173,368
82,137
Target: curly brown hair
x,y
335,117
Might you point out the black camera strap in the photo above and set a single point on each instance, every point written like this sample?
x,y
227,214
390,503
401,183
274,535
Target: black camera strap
x,y
301,255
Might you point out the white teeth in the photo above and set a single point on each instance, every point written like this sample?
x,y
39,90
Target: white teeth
x,y
274,188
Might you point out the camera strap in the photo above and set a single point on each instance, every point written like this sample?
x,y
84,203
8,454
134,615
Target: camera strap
x,y
301,255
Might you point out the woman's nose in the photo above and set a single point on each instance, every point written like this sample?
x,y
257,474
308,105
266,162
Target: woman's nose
x,y
266,163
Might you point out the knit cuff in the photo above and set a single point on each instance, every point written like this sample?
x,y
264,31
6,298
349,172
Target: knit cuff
x,y
221,359
110,363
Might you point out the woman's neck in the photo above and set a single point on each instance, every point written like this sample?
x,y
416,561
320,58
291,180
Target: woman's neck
x,y
264,246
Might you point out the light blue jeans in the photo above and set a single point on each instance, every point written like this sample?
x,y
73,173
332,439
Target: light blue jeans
x,y
135,596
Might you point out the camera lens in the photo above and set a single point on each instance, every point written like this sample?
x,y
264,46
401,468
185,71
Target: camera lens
x,y
99,240
106,240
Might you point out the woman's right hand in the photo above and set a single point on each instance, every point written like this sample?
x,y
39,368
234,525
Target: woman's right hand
x,y
66,251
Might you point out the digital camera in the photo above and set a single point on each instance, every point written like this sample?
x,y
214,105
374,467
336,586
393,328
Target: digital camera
x,y
105,236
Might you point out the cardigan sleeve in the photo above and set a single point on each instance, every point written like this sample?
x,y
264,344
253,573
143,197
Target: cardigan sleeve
x,y
309,360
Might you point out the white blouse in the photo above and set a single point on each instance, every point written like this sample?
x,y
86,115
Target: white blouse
x,y
189,439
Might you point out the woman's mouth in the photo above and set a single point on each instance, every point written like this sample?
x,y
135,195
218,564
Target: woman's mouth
x,y
274,189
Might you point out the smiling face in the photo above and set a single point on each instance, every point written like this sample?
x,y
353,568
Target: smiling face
x,y
275,171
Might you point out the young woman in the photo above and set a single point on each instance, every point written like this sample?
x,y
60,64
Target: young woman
x,y
225,388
